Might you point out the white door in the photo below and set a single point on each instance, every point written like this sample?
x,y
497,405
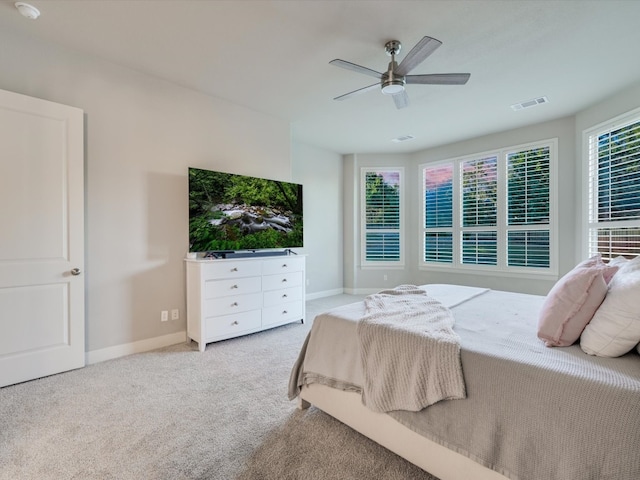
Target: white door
x,y
41,238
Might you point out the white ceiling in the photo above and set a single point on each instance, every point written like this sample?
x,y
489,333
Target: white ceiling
x,y
273,56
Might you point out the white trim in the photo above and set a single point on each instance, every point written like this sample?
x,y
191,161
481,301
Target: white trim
x,y
382,267
325,293
362,291
109,353
585,187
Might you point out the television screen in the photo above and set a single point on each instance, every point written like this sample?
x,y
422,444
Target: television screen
x,y
229,212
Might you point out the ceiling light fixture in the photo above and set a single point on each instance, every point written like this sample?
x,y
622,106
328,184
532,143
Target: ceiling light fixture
x,y
28,11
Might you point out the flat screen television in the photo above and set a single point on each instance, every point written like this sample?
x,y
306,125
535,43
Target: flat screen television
x,y
230,213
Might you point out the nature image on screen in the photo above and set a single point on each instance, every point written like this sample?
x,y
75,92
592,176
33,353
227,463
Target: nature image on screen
x,y
229,212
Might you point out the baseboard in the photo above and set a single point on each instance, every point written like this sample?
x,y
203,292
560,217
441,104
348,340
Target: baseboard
x,y
109,353
362,291
326,293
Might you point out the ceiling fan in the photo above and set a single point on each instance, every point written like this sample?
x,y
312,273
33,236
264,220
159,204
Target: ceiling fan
x,y
393,81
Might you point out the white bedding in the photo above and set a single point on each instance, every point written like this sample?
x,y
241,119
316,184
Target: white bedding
x,y
532,412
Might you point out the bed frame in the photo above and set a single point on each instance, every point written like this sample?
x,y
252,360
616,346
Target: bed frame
x,y
384,430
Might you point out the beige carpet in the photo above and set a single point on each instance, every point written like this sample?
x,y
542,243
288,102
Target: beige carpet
x,y
176,413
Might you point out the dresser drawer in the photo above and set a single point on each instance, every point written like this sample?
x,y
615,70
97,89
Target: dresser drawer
x,y
232,286
232,304
282,313
285,295
285,280
283,265
231,324
218,270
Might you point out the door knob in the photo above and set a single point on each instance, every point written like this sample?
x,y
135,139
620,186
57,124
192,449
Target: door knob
x,y
75,271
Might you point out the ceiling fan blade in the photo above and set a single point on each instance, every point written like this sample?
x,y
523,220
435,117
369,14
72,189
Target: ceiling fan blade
x,y
356,68
438,79
401,99
357,92
417,55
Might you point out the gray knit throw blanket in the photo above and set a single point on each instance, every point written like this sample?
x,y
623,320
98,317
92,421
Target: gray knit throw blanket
x,y
410,353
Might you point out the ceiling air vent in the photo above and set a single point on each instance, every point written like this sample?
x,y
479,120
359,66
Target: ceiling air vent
x,y
404,138
530,103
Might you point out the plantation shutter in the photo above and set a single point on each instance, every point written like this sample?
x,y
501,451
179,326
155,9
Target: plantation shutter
x,y
479,211
614,207
382,213
528,200
493,211
438,213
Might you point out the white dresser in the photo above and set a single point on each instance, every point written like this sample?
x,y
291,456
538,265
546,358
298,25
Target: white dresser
x,y
229,298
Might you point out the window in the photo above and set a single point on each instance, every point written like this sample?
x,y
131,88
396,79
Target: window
x,y
491,211
382,216
479,199
438,218
613,170
528,215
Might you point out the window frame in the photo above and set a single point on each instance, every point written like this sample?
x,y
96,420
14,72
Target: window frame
x,y
590,183
364,263
502,228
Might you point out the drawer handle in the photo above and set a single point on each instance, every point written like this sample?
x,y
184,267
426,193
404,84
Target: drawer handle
x,y
234,304
234,286
284,280
284,295
235,322
284,265
234,269
284,312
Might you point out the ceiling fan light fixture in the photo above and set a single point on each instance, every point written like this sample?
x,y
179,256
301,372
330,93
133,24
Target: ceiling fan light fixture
x,y
392,87
392,81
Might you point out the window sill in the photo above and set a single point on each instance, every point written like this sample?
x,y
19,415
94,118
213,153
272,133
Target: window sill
x,y
494,272
385,266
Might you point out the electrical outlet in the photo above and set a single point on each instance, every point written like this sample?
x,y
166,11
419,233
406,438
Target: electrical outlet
x,y
164,315
175,314
385,278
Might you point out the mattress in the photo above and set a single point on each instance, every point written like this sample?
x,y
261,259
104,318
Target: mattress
x,y
531,412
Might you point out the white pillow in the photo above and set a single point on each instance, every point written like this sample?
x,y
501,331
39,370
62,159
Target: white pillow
x,y
615,327
619,261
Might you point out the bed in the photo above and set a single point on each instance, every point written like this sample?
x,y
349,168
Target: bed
x,y
531,412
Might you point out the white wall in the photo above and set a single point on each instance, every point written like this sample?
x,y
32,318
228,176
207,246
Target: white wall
x,y
141,135
320,173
